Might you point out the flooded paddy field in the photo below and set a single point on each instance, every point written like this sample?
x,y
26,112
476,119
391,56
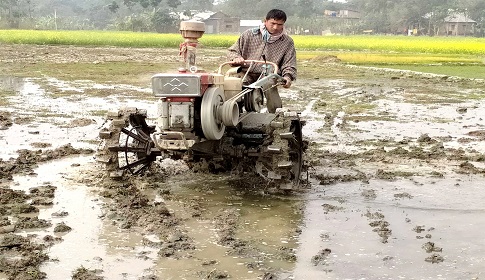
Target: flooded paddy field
x,y
396,178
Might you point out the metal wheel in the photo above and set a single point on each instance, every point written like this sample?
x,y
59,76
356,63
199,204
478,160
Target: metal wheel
x,y
254,100
295,151
283,162
210,111
127,143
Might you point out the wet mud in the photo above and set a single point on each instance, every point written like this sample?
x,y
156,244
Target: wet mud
x,y
396,176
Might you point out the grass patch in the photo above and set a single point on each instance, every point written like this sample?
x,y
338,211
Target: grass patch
x,y
106,72
442,96
333,104
369,118
396,44
400,44
439,98
4,97
98,113
90,38
358,108
379,58
459,65
463,71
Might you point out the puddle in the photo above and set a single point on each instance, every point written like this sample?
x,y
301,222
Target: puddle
x,y
92,242
52,118
394,118
30,95
374,230
266,223
414,120
448,210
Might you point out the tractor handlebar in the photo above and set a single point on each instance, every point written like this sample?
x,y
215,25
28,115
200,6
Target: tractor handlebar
x,y
251,64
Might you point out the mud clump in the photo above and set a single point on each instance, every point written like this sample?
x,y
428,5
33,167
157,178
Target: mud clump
x,y
419,229
43,195
226,222
27,160
20,258
403,195
62,227
5,120
424,138
23,208
83,273
32,222
214,274
47,191
321,258
326,179
434,258
330,208
392,175
176,241
79,122
477,133
130,208
8,196
369,194
379,225
430,247
468,168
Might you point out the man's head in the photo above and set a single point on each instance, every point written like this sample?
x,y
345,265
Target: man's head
x,y
275,21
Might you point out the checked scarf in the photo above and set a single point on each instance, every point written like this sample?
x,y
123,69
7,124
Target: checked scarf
x,y
267,37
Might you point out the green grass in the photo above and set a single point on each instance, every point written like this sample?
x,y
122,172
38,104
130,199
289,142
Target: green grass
x,y
4,95
134,73
89,38
464,71
379,58
401,44
454,56
460,65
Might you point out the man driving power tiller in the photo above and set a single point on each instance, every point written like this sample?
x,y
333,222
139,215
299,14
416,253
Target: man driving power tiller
x,y
269,42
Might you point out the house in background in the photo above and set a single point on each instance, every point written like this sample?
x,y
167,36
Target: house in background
x,y
350,14
458,25
246,24
218,22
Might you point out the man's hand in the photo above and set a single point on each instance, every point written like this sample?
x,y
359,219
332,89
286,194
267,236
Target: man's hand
x,y
287,82
238,61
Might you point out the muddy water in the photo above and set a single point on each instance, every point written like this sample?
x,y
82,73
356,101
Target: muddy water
x,y
68,119
95,243
266,223
92,242
446,212
363,229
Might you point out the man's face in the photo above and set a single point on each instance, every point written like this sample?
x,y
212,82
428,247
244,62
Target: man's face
x,y
274,26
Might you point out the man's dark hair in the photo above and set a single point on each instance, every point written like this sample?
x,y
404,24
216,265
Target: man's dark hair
x,y
276,14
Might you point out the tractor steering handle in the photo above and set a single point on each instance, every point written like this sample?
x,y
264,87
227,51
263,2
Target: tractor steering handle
x,y
251,63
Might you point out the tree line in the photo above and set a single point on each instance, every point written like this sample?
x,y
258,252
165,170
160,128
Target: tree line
x,y
381,16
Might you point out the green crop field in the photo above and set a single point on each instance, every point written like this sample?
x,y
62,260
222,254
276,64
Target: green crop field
x,y
432,45
404,52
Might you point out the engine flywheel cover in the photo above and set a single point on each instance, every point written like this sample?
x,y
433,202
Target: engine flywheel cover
x,y
210,113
